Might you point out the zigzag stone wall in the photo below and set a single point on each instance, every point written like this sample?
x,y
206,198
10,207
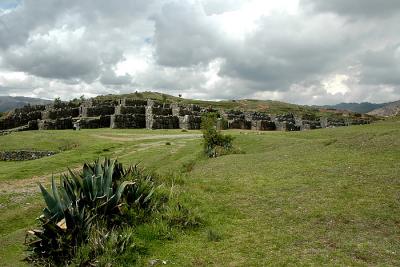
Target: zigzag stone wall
x,y
151,114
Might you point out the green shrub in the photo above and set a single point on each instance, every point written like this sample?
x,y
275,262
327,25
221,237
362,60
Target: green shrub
x,y
213,236
215,143
181,217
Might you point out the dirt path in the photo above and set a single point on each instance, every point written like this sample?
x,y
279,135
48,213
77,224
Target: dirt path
x,y
147,137
29,186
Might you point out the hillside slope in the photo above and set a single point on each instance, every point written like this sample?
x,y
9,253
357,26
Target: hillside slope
x,y
363,107
390,109
10,102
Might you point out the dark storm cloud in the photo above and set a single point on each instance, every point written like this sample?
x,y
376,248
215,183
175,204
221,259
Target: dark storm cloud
x,y
184,35
364,8
66,47
381,66
69,39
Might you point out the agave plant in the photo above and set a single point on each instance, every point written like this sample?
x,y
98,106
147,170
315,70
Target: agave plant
x,y
95,193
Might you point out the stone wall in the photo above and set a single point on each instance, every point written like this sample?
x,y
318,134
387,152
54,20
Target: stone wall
x,y
20,155
96,111
263,125
128,121
239,124
132,102
189,122
94,123
14,120
29,108
52,114
57,124
162,122
120,109
286,122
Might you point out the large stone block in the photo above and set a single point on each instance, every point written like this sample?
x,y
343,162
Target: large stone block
x,y
120,109
162,122
96,111
132,102
52,114
57,124
239,124
130,121
263,125
189,122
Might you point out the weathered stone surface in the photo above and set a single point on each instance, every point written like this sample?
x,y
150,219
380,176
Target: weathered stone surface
x,y
263,125
52,114
285,122
120,109
162,122
20,155
189,122
14,120
96,111
257,116
130,121
30,108
94,123
239,123
183,110
57,124
132,102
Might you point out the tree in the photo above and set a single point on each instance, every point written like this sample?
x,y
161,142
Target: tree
x,y
215,143
57,103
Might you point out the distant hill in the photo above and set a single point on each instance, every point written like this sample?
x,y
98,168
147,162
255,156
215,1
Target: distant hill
x,y
363,107
390,109
10,102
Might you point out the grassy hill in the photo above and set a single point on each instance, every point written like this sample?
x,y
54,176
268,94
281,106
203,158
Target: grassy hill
x,y
363,107
322,197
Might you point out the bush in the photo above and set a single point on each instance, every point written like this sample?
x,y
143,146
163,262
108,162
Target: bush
x,y
215,144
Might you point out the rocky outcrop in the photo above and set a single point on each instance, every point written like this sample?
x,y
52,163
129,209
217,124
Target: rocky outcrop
x,y
390,109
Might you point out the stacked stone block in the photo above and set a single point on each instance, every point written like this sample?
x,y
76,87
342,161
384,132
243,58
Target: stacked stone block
x,y
57,124
128,121
96,111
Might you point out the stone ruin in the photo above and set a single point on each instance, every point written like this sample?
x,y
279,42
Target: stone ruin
x,y
261,121
137,114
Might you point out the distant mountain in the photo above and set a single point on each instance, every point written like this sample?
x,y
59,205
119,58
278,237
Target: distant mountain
x,y
390,109
363,107
10,102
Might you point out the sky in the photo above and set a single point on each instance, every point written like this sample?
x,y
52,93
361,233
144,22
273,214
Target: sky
x,y
297,51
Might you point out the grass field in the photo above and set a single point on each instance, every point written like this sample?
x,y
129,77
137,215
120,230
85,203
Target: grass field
x,y
322,197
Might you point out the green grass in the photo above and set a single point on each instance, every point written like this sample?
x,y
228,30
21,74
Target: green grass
x,y
322,197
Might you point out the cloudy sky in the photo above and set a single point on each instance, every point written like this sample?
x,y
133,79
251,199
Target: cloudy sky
x,y
298,51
